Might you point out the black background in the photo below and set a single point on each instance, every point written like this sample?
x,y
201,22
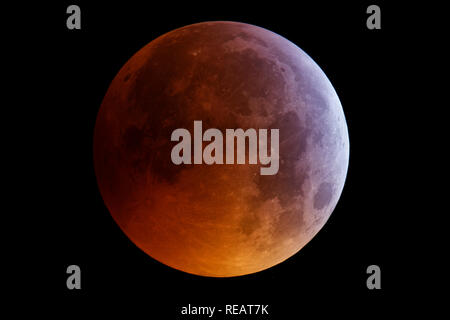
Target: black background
x,y
72,70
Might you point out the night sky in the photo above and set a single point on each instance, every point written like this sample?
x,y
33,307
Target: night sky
x,y
70,73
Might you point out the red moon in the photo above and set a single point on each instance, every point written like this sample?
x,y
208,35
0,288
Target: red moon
x,y
220,220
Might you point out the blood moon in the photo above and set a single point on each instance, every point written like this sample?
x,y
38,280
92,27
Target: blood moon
x,y
220,220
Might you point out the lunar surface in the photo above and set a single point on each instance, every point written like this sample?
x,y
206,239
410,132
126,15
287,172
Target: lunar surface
x,y
220,220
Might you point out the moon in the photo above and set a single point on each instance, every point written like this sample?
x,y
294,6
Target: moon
x,y
220,220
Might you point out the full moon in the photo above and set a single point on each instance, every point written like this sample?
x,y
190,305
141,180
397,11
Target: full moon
x,y
220,220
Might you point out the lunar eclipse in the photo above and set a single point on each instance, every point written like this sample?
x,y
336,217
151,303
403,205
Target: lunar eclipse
x,y
220,220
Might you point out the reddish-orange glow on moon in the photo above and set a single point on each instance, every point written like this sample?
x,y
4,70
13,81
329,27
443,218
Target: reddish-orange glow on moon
x,y
220,220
